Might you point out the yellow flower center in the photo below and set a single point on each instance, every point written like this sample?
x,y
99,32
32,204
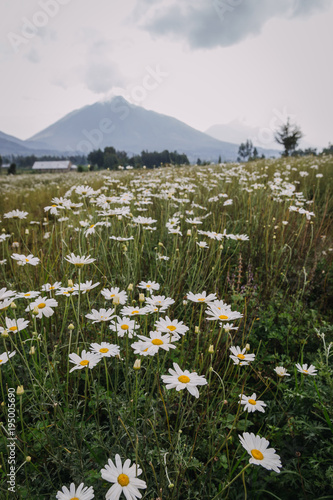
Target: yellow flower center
x,y
54,205
51,287
79,264
240,356
27,260
27,294
223,316
145,350
84,362
184,379
252,402
104,350
0,360
171,328
257,454
13,328
113,295
92,225
124,327
305,371
41,305
74,498
135,312
123,479
157,342
148,286
201,300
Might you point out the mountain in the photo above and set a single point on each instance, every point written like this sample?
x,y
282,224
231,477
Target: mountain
x,y
238,131
124,126
10,145
131,128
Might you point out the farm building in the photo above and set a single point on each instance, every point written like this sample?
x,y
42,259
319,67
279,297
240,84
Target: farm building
x,y
53,166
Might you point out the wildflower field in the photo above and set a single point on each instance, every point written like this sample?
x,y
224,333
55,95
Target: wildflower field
x,y
166,334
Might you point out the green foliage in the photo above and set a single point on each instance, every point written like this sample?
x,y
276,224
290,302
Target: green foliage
x,y
280,280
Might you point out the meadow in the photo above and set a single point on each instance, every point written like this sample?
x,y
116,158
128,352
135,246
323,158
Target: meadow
x,y
167,334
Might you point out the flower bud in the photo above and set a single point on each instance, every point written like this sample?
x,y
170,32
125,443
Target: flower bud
x,y
71,326
115,300
247,347
196,329
28,459
4,333
141,297
189,232
26,231
211,349
35,311
20,390
32,350
137,364
70,283
13,305
130,287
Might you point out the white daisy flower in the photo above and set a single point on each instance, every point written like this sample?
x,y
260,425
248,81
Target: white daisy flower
x,y
87,286
15,325
15,214
149,285
175,327
79,261
124,325
105,349
159,301
101,315
155,341
6,294
201,297
124,478
217,314
49,287
144,221
312,370
80,493
68,291
180,380
119,238
257,448
202,244
281,371
133,311
251,403
239,357
22,260
87,359
28,295
110,294
4,357
44,305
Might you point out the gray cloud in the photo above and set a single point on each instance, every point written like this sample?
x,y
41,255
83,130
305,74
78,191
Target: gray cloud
x,y
101,72
212,23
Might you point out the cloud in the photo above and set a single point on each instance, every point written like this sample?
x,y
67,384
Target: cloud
x,y
100,71
206,24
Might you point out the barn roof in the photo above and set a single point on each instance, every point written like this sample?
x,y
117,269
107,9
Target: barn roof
x,y
51,165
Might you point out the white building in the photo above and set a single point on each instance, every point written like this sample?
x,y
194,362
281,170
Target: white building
x,y
52,166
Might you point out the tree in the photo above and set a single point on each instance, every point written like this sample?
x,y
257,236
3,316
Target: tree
x,y
288,136
245,150
12,169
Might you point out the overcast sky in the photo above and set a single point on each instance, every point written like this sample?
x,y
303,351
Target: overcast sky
x,y
202,61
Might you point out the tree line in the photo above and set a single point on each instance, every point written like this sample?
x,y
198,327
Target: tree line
x,y
111,159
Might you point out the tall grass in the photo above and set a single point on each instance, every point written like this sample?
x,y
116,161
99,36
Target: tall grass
x,y
280,280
